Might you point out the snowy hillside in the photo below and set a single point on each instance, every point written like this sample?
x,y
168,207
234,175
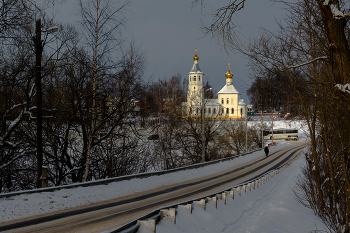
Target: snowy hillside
x,y
271,208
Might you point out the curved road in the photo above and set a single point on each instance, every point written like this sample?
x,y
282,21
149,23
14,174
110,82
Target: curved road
x,y
117,212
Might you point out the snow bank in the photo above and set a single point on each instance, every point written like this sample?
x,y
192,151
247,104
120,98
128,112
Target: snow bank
x,y
27,205
271,208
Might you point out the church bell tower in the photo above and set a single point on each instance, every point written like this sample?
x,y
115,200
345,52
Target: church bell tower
x,y
195,83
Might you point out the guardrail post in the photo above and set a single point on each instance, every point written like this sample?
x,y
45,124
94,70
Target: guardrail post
x,y
169,214
200,203
238,189
213,199
231,193
188,207
244,188
223,197
44,180
149,225
249,187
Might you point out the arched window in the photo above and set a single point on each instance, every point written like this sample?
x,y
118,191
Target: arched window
x,y
194,79
222,100
232,111
199,79
227,111
214,110
209,110
227,101
190,78
194,88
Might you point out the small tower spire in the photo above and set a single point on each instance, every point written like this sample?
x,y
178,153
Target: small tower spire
x,y
196,56
228,73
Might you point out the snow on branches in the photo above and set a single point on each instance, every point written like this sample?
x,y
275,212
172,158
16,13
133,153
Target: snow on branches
x,y
337,14
344,88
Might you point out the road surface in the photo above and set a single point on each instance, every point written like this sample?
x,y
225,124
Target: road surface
x,y
117,212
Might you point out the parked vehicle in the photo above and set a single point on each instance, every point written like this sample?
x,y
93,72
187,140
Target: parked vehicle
x,y
153,137
280,133
291,138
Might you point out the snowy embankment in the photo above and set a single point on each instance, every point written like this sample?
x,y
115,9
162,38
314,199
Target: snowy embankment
x,y
270,208
273,203
28,205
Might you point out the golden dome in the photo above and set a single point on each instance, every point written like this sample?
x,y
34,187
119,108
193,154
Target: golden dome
x,y
228,73
195,56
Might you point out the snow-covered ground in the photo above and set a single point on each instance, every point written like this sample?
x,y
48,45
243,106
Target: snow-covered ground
x,y
27,205
270,208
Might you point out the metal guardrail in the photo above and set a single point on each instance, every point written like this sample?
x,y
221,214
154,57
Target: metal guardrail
x,y
134,226
122,178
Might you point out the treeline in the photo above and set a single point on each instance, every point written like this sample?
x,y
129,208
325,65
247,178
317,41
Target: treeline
x,y
304,68
94,102
272,92
89,80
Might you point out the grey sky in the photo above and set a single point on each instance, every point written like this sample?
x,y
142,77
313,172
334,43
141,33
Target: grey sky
x,y
168,31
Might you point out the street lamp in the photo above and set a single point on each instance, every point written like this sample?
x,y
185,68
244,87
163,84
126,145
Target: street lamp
x,y
262,128
272,129
39,97
203,124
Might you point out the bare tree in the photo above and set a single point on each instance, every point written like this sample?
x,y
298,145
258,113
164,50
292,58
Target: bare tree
x,y
301,51
234,136
101,20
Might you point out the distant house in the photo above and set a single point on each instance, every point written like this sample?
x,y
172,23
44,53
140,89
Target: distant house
x,y
139,107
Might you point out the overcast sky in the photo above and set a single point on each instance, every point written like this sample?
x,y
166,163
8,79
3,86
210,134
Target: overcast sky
x,y
168,31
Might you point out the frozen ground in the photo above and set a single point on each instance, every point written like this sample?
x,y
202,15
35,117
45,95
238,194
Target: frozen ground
x,y
27,205
272,208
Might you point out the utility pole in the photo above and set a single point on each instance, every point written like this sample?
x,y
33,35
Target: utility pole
x,y
246,128
39,97
39,118
203,128
262,133
272,130
203,124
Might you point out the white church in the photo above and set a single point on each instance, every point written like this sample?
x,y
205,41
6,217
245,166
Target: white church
x,y
228,105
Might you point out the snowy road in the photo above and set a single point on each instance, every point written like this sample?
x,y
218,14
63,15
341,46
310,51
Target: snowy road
x,y
116,212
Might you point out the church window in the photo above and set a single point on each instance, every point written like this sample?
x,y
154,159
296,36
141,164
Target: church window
x,y
222,100
214,110
227,111
232,111
227,101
